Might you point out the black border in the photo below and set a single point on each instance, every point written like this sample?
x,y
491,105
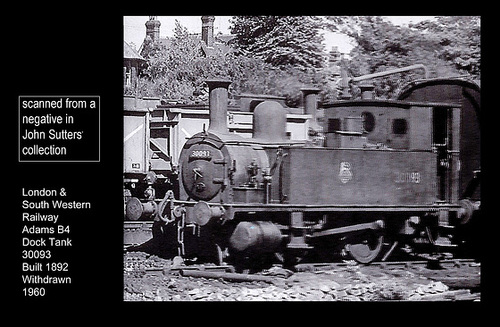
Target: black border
x,y
77,48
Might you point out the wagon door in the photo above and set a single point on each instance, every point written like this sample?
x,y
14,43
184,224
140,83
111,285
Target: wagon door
x,y
134,139
446,142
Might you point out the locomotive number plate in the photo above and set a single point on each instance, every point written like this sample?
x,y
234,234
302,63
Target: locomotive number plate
x,y
407,177
200,154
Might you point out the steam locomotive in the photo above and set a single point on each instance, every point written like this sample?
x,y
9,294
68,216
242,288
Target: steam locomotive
x,y
385,174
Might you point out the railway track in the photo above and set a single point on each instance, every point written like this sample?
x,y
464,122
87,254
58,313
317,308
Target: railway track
x,y
136,232
430,264
414,280
313,267
459,277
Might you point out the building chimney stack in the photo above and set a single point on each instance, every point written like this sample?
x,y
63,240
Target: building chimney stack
x,y
153,28
207,30
218,96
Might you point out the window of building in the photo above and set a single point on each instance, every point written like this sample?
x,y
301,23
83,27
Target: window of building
x,y
368,121
333,125
128,76
399,126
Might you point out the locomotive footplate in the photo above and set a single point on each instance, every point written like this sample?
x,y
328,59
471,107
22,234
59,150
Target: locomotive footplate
x,y
291,207
274,207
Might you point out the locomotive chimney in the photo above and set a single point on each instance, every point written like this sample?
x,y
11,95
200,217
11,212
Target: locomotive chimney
x,y
218,105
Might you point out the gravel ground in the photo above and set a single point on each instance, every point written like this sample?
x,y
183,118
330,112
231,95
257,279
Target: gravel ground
x,y
348,283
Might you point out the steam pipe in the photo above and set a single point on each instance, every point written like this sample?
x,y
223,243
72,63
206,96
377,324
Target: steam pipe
x,y
390,72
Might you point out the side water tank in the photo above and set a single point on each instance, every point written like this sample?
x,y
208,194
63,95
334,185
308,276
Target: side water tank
x,y
269,122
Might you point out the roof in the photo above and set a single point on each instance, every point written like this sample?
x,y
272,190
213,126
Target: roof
x,y
220,42
130,53
412,86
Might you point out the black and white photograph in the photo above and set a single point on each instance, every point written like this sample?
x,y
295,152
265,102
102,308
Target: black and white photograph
x,y
300,158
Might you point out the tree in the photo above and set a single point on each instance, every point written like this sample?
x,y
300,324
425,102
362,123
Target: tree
x,y
460,41
179,70
280,40
447,46
171,71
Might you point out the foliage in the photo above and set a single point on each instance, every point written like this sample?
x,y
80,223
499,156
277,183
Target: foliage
x,y
178,71
280,40
278,55
170,69
459,38
447,46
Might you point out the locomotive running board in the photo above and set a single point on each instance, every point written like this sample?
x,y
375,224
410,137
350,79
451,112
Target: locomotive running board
x,y
286,207
332,207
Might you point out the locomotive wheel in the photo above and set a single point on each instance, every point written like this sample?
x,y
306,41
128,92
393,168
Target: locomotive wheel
x,y
367,249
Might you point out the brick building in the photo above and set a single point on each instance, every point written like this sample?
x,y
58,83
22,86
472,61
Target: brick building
x,y
131,63
207,40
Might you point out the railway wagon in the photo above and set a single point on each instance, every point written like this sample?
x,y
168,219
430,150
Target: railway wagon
x,y
468,95
147,170
387,174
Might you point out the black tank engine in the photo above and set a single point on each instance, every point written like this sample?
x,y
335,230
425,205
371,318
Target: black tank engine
x,y
379,174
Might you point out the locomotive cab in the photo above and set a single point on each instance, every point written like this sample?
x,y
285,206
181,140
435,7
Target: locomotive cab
x,y
410,134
